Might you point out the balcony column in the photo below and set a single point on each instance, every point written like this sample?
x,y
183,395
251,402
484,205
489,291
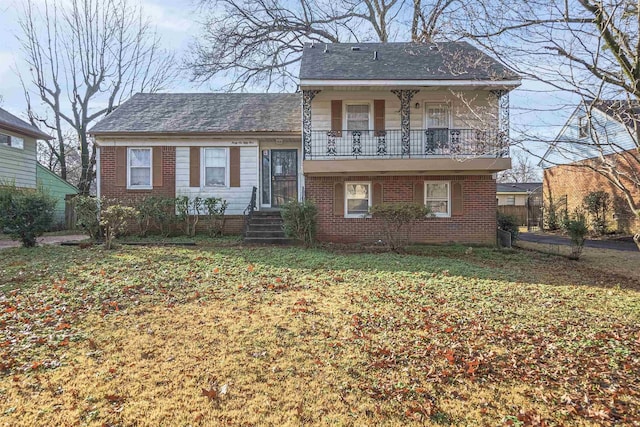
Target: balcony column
x,y
502,97
307,97
405,117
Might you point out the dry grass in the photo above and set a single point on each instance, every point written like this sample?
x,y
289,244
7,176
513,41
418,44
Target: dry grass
x,y
279,336
619,262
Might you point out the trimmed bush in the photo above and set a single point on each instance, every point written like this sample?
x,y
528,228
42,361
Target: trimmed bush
x,y
577,230
300,221
215,208
115,220
25,214
397,218
87,213
509,223
597,205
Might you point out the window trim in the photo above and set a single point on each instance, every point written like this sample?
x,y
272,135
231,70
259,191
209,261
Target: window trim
x,y
11,138
346,199
437,104
439,214
345,122
129,157
583,127
203,168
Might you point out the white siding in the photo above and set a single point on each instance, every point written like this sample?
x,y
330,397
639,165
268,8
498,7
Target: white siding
x,y
237,197
18,166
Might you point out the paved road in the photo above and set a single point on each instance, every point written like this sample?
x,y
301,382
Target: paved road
x,y
550,239
45,240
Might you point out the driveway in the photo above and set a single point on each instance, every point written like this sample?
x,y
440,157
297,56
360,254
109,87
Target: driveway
x,y
45,240
551,239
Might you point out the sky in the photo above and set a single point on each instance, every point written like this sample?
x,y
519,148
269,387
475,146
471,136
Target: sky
x,y
176,22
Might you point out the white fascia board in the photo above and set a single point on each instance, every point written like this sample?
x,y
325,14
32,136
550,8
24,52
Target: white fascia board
x,y
398,83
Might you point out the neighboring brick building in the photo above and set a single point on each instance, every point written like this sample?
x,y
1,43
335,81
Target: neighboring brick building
x,y
374,123
575,164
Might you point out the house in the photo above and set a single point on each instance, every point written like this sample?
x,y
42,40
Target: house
x,y
516,194
60,190
372,123
18,151
598,135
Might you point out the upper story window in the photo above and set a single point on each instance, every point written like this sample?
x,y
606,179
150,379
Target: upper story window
x,y
583,127
437,197
357,199
139,168
11,141
215,167
438,117
357,116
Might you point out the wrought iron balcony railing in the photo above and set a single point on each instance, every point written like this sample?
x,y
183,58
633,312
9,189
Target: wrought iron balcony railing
x,y
422,143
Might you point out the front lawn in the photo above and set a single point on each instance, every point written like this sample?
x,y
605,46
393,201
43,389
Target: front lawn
x,y
287,336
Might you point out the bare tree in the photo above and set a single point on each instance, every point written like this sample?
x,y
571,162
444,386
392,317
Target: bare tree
x,y
85,57
588,50
259,43
523,169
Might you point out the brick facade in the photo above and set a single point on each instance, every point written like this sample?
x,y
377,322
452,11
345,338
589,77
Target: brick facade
x,y
576,181
477,224
110,190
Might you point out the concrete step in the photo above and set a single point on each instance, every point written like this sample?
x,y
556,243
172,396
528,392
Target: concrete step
x,y
266,221
254,233
265,227
266,214
267,240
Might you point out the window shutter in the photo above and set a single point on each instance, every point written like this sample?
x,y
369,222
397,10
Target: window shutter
x,y
156,158
338,199
378,116
457,207
194,167
121,166
336,117
377,194
234,167
418,193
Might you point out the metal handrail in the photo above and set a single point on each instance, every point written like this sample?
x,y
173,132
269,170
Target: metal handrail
x,y
248,211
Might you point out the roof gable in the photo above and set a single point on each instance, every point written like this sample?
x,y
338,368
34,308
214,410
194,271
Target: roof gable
x,y
12,123
202,113
400,61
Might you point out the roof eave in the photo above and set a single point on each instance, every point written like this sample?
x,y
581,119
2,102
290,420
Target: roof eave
x,y
507,84
252,133
31,133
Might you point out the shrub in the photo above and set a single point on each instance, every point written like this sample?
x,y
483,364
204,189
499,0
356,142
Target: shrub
x,y
115,220
87,212
554,215
398,217
597,205
577,229
509,223
300,221
25,214
156,212
215,208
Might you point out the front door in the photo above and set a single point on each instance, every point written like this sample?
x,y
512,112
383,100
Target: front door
x,y
284,177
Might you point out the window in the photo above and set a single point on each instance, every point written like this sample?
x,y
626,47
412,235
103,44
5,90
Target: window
x,y
11,141
438,117
357,116
437,198
358,199
510,200
583,127
215,167
139,168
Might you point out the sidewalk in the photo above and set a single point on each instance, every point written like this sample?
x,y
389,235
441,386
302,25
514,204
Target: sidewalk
x,y
45,240
550,239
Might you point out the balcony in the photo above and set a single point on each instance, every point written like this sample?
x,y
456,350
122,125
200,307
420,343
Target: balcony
x,y
424,150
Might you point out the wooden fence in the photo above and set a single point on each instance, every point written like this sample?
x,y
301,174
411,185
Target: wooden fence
x,y
519,212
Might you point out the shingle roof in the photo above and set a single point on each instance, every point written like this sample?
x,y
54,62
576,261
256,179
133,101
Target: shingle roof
x,y
400,61
626,112
204,113
12,123
520,187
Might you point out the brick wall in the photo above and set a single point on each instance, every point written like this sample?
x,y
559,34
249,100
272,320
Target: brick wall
x,y
477,224
110,190
576,181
